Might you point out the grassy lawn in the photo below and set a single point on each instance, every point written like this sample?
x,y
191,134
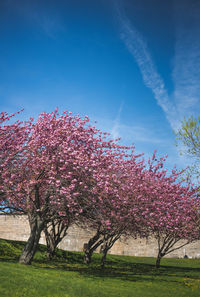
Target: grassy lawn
x,y
67,276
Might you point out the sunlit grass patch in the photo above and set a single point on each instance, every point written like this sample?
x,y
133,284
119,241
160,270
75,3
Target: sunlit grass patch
x,y
68,276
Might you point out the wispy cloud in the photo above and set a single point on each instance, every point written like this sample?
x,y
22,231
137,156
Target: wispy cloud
x,y
137,46
140,134
137,133
48,23
186,63
115,129
185,100
46,18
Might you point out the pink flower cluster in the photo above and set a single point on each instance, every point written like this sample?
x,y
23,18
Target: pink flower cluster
x,y
61,164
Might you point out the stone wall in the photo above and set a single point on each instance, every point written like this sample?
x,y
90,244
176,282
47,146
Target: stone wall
x,y
17,228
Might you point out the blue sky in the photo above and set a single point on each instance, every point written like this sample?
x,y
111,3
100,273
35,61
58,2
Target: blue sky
x,y
132,65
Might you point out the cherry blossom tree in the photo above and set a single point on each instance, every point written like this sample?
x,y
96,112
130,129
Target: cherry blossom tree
x,y
61,169
55,167
12,139
177,225
169,209
112,216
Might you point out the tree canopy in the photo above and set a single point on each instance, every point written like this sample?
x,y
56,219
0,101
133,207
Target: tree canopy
x,y
61,169
188,139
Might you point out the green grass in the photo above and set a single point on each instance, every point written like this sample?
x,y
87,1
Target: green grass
x,y
67,276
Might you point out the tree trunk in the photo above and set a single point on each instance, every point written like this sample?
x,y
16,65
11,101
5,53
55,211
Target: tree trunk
x,y
108,242
51,243
88,256
159,257
51,248
103,259
91,246
36,226
54,233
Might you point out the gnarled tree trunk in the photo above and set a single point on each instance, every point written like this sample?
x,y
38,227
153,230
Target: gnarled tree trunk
x,y
103,259
159,257
36,226
166,245
91,246
87,255
108,242
54,233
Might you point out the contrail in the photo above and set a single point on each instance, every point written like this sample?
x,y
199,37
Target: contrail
x,y
186,62
137,46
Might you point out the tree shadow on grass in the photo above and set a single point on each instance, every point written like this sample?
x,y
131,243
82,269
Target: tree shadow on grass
x,y
141,272
122,270
9,259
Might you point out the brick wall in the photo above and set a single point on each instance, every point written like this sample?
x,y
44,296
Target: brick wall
x,y
17,228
